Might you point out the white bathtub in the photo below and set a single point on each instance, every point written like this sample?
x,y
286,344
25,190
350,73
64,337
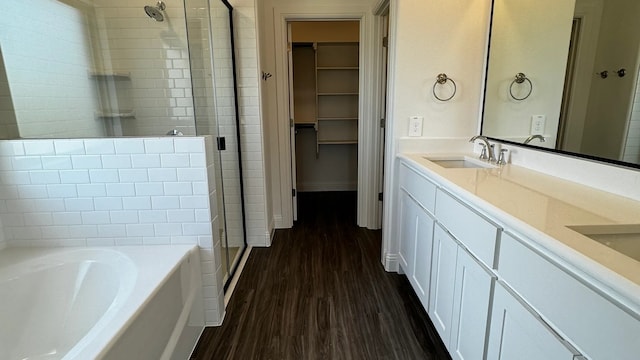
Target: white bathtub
x,y
105,303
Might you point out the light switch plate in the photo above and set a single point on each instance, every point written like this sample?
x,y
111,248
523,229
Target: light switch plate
x,y
415,125
537,124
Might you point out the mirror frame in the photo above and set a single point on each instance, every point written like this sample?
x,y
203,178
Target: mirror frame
x,y
533,147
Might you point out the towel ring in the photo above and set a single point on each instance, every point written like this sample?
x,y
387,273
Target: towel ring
x,y
520,78
441,80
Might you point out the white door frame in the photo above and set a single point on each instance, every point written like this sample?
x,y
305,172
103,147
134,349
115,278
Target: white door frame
x,y
368,119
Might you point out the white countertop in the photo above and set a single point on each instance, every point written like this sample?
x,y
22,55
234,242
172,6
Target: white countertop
x,y
541,207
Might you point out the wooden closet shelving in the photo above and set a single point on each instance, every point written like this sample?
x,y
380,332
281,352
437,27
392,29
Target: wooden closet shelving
x,y
326,90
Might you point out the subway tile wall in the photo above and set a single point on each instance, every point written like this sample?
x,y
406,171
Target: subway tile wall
x,y
258,231
154,56
51,90
140,66
8,123
105,192
632,145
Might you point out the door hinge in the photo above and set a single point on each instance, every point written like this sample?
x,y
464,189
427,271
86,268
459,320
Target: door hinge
x,y
291,123
222,143
382,123
379,196
385,41
293,192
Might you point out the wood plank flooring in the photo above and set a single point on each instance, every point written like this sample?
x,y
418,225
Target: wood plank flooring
x,y
320,292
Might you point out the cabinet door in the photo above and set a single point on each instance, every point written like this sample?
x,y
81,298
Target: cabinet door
x,y
443,276
421,277
472,297
407,217
518,333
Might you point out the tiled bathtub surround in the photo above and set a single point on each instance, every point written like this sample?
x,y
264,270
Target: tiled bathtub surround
x,y
104,192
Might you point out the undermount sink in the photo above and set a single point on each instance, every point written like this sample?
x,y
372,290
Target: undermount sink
x,y
624,239
458,162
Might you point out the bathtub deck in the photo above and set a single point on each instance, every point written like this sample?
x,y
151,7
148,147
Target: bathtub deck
x,y
320,292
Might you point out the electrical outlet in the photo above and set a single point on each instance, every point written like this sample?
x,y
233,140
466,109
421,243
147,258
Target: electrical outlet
x,y
415,125
537,124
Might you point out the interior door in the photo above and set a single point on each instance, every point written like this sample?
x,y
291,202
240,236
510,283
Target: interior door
x,y
383,104
292,128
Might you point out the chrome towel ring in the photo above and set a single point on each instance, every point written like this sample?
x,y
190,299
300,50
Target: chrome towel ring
x,y
520,78
441,80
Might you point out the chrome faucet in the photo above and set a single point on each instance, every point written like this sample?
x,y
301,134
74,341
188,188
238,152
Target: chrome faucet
x,y
489,147
539,137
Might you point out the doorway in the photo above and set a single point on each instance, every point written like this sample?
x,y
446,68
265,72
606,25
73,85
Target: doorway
x,y
324,88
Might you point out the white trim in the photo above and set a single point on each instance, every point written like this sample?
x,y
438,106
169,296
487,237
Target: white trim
x,y
268,236
388,230
368,144
382,8
391,263
278,223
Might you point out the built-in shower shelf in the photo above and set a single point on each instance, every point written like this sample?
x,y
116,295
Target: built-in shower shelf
x,y
110,74
112,115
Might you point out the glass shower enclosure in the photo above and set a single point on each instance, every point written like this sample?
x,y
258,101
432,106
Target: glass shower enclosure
x,y
103,68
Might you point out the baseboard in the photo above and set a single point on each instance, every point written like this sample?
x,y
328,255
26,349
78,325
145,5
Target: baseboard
x,y
391,263
269,237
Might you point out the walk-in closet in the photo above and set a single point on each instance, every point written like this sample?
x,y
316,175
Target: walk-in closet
x,y
324,69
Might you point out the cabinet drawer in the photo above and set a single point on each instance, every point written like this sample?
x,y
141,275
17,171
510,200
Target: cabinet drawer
x,y
516,332
594,324
474,231
421,189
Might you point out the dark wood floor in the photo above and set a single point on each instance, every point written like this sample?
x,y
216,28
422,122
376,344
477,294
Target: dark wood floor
x,y
320,292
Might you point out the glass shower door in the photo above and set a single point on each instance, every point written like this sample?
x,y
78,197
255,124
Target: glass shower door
x,y
209,25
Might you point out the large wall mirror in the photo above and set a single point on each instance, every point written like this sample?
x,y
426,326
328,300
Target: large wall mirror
x,y
563,75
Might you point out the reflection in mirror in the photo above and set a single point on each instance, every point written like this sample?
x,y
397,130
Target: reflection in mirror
x,y
93,68
582,60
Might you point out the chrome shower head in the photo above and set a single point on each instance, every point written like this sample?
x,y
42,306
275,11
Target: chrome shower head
x,y
155,12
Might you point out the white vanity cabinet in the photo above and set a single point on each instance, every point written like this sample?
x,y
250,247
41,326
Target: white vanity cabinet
x,y
417,201
452,284
519,333
461,284
495,293
595,324
460,297
415,245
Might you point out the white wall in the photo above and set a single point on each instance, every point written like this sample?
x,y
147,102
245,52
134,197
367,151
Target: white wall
x,y
105,192
542,58
428,38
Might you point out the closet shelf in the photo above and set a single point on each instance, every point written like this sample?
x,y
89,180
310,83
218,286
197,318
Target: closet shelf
x,y
112,115
337,94
110,74
337,118
337,68
337,142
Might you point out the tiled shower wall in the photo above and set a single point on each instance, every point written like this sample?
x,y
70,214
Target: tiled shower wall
x,y
632,145
258,222
155,56
104,192
49,75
